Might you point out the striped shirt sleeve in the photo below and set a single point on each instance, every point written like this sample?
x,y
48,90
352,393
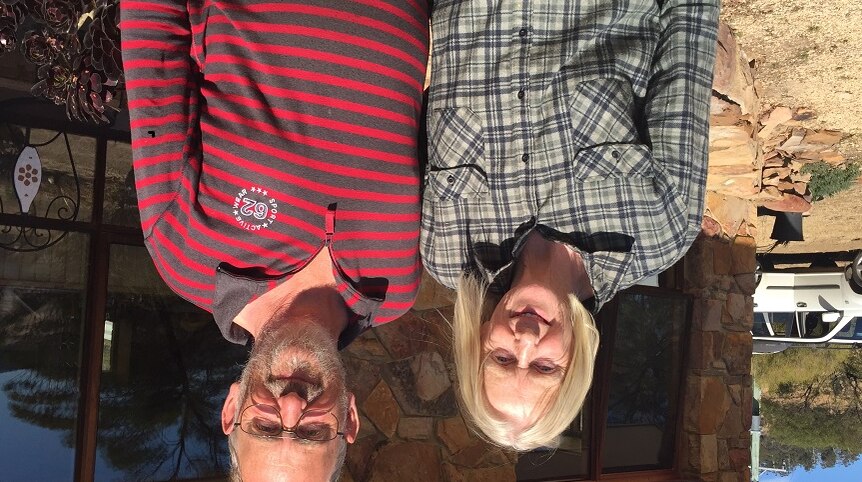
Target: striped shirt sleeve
x,y
162,84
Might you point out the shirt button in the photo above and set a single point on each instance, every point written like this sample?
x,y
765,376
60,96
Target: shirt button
x,y
522,32
450,179
521,94
615,154
525,157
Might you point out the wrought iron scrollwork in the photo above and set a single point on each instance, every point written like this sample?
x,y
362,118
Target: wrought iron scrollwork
x,y
27,236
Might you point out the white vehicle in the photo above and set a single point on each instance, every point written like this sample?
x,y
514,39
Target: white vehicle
x,y
808,306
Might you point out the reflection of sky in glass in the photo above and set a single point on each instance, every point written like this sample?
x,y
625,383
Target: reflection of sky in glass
x,y
839,473
23,455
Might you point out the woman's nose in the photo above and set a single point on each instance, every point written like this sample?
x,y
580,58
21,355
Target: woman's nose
x,y
527,329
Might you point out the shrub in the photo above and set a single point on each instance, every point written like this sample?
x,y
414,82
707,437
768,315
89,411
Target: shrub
x,y
827,180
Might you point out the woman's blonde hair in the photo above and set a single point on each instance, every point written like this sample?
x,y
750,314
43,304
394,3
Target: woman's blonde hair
x,y
473,307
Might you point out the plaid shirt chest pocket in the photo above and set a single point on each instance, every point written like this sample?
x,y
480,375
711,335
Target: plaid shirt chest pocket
x,y
456,167
603,134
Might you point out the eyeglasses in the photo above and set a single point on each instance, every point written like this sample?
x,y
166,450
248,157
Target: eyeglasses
x,y
262,420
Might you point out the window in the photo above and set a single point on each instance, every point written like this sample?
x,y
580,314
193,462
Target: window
x,y
163,382
105,374
41,312
629,422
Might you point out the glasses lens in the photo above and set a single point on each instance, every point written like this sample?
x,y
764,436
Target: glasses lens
x,y
317,426
261,420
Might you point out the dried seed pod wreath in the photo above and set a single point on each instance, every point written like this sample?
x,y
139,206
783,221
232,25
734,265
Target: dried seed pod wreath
x,y
76,45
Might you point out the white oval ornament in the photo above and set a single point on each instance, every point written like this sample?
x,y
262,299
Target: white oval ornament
x,y
28,177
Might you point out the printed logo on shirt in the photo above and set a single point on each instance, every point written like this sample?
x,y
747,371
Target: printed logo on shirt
x,y
253,209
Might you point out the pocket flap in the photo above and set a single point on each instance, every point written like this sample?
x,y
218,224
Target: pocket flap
x,y
456,183
614,160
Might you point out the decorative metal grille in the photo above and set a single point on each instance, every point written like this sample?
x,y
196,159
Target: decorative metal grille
x,y
27,174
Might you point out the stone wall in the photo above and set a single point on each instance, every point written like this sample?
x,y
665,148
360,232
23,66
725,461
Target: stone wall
x,y
403,377
719,274
404,381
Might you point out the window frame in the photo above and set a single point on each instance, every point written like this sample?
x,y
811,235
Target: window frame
x,y
671,285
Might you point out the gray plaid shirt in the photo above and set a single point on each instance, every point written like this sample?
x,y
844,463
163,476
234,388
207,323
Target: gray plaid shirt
x,y
587,120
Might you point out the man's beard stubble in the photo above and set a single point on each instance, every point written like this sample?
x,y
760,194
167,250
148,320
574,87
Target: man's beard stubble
x,y
303,351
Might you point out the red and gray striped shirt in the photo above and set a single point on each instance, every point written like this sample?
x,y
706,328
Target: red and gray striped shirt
x,y
265,131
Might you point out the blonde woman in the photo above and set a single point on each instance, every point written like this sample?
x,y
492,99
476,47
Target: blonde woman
x,y
567,161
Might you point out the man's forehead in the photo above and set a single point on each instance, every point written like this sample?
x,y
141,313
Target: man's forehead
x,y
284,459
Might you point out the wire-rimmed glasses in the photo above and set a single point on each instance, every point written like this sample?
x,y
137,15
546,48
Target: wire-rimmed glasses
x,y
263,420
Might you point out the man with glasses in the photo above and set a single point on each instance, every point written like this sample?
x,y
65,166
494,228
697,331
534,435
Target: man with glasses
x,y
290,416
276,167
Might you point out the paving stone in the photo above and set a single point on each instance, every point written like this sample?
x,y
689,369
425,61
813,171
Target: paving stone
x,y
723,460
430,375
359,456
381,408
367,347
743,252
362,376
408,461
714,405
504,473
721,258
401,379
739,459
736,352
416,428
454,434
736,307
708,454
711,312
432,294
732,423
479,454
416,332
366,428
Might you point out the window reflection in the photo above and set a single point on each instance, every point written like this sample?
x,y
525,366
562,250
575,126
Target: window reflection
x,y
644,382
121,203
163,382
570,459
41,307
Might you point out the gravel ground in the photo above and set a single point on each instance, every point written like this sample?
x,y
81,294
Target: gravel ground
x,y
808,55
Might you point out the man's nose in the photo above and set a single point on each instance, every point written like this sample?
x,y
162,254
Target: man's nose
x,y
291,406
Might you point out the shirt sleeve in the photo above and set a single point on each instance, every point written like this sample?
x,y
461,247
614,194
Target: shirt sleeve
x,y
678,98
162,86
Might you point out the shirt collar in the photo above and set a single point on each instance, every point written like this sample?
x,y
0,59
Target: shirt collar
x,y
606,257
236,287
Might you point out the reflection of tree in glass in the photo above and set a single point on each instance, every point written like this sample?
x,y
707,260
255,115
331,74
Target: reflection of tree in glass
x,y
159,403
815,418
166,402
40,330
644,364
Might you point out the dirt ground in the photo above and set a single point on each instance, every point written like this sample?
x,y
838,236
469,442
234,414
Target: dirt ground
x,y
807,55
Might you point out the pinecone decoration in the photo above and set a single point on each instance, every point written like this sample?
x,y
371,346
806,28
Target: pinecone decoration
x,y
12,15
102,43
55,81
60,15
42,47
91,94
98,68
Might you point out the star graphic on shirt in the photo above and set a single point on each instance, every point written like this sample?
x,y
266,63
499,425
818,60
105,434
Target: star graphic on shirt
x,y
235,213
265,192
